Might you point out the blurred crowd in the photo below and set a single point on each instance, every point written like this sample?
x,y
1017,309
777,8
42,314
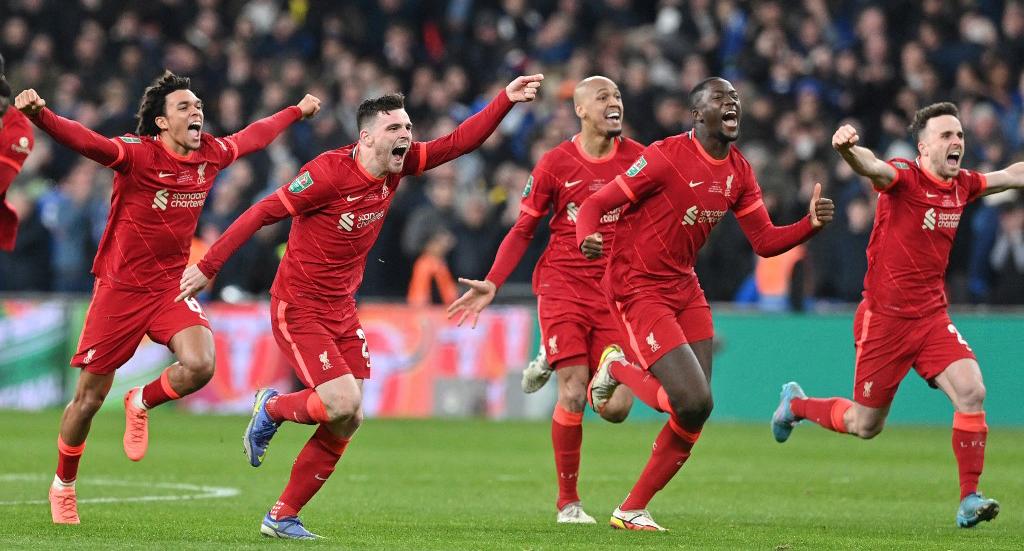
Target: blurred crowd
x,y
802,67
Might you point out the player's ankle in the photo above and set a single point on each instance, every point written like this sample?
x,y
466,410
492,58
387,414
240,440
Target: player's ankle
x,y
59,484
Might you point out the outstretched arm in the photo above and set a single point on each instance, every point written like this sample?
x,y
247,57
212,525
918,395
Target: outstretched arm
x,y
481,293
861,159
476,129
264,213
261,133
612,195
768,239
1011,177
67,132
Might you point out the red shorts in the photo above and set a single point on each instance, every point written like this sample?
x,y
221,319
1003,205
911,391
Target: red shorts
x,y
576,332
321,346
118,319
656,321
887,347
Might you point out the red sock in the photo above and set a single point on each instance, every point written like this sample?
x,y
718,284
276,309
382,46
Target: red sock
x,y
303,407
68,458
312,467
969,435
159,391
567,436
827,412
643,384
671,450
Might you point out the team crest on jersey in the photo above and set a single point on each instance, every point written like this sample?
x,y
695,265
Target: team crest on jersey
x,y
201,172
529,186
22,146
637,167
901,164
129,139
300,183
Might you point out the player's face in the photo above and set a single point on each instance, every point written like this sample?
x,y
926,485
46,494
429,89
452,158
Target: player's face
x,y
602,108
183,118
720,110
391,138
941,145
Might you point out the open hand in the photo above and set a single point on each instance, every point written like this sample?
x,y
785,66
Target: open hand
x,y
473,301
192,282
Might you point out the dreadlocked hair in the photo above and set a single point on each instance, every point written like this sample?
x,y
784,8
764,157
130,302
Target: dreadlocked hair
x,y
154,102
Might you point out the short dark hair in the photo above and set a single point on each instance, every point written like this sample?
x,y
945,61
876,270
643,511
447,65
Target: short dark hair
x,y
154,101
694,97
930,112
369,109
5,89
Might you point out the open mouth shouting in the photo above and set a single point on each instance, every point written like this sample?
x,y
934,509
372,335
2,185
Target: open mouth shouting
x,y
613,116
194,129
953,159
398,153
731,120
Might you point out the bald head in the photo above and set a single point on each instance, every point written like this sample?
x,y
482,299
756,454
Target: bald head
x,y
588,88
598,104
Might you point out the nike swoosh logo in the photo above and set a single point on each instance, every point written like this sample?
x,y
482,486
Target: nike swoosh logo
x,y
165,174
930,195
695,184
317,476
570,184
350,198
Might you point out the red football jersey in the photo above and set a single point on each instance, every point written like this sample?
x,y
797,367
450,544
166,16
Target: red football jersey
x,y
678,193
563,178
915,223
154,210
16,139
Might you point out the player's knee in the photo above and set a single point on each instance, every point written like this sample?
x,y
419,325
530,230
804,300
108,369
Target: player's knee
x,y
972,398
615,415
88,403
344,409
572,399
869,430
694,409
199,364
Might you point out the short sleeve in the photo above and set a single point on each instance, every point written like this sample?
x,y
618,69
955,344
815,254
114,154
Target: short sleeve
x,y
313,188
749,199
17,144
538,191
646,176
977,184
904,171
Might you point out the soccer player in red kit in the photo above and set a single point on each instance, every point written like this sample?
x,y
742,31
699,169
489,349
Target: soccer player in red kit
x,y
576,325
161,177
676,191
902,321
337,204
16,143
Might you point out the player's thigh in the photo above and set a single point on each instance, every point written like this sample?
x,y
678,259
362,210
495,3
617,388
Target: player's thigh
x,y
354,350
172,318
650,327
699,329
885,348
563,328
307,343
942,346
114,325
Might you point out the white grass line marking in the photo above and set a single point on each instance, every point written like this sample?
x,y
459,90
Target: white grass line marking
x,y
192,491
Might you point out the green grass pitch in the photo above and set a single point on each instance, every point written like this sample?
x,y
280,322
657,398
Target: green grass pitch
x,y
490,485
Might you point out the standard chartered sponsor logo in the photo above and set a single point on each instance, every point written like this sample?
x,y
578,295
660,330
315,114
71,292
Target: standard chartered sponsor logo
x,y
690,218
611,216
695,215
164,199
934,219
349,220
346,220
160,200
929,220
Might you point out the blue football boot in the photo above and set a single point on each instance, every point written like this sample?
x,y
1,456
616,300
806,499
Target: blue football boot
x,y
975,508
289,528
261,428
784,420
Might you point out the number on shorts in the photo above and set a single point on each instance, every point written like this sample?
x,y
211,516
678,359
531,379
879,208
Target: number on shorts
x,y
193,305
362,337
952,329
